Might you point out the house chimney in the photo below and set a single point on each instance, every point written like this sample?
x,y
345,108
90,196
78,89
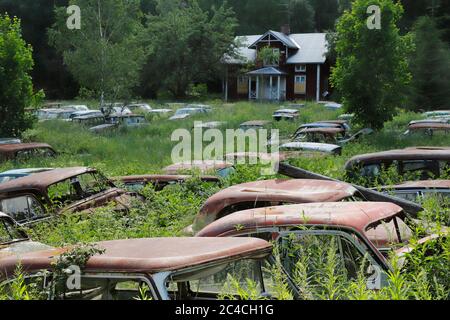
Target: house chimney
x,y
286,29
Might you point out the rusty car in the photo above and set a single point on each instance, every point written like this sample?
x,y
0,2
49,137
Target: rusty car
x,y
138,182
268,193
437,114
312,148
14,240
429,127
19,173
139,108
189,111
286,114
254,125
218,167
25,151
209,125
34,198
10,140
418,191
332,124
149,269
358,230
89,120
120,121
421,162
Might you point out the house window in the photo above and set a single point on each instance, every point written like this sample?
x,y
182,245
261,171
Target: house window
x,y
300,68
300,84
242,85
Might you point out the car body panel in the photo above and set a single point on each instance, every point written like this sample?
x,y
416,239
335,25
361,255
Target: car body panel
x,y
147,256
19,173
264,193
203,166
9,151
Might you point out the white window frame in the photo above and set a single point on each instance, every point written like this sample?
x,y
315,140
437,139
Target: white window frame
x,y
300,68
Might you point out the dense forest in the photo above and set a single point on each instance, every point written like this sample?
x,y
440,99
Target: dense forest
x,y
253,17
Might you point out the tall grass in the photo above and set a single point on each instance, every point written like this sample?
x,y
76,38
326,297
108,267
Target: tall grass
x,y
167,213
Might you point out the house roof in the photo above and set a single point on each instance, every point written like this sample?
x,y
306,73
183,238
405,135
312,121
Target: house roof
x,y
145,255
286,39
268,71
313,48
310,47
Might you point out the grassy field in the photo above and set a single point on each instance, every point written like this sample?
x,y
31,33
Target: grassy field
x,y
148,150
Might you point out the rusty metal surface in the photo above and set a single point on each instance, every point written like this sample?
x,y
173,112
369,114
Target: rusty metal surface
x,y
272,191
355,215
329,131
155,179
431,126
41,181
8,150
341,122
255,123
204,166
146,255
416,153
423,184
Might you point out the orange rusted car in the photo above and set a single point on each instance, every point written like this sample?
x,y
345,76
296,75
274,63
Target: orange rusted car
x,y
425,162
361,232
25,151
36,197
269,193
157,269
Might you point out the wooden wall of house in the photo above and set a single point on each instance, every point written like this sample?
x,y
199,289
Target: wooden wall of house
x,y
311,73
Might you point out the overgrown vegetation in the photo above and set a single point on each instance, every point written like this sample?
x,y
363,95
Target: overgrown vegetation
x,y
167,213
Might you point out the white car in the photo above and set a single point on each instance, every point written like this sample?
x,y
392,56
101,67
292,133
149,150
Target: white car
x,y
187,112
139,107
77,107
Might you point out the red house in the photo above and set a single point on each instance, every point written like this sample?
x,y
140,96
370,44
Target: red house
x,y
299,72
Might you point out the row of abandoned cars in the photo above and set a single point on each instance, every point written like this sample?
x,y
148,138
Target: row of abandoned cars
x,y
115,115
233,233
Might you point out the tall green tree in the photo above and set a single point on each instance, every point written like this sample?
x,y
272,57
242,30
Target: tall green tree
x,y
371,72
188,45
106,55
430,65
16,87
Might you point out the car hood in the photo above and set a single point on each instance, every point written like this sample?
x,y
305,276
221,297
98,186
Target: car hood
x,y
311,146
179,117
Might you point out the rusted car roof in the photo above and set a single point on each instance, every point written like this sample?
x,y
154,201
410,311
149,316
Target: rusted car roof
x,y
153,178
146,255
424,184
11,148
204,166
416,153
431,126
287,191
255,123
334,121
329,131
40,181
359,216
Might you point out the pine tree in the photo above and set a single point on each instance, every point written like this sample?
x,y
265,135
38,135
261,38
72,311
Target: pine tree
x,y
430,65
